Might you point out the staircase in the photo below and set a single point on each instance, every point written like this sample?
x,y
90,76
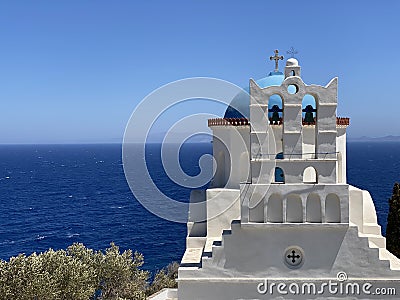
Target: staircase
x,y
363,215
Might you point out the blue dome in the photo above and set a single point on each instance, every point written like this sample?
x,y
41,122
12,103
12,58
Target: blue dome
x,y
239,107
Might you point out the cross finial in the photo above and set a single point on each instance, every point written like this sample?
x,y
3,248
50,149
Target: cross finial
x,y
292,52
276,57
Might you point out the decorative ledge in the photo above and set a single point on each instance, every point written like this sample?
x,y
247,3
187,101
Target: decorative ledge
x,y
228,122
342,122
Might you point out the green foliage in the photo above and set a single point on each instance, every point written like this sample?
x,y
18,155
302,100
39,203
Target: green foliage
x,y
393,222
80,273
165,278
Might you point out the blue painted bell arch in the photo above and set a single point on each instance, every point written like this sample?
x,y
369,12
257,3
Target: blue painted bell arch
x,y
275,101
240,104
308,100
279,175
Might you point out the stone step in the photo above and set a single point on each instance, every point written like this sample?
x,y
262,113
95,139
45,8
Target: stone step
x,y
384,254
378,241
371,229
374,240
236,224
165,294
226,232
192,257
209,245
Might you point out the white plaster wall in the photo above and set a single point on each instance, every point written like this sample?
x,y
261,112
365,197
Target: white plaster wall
x,y
278,134
252,195
319,139
223,206
197,206
342,155
164,294
339,248
362,209
263,170
233,166
239,289
309,141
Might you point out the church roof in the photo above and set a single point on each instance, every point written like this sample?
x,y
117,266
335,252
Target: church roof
x,y
239,106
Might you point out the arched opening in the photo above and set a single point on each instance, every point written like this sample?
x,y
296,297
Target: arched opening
x,y
310,175
309,121
313,209
275,209
275,110
256,213
279,155
292,73
332,209
294,209
279,175
309,109
293,89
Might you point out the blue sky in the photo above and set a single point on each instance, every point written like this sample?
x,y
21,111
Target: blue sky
x,y
73,71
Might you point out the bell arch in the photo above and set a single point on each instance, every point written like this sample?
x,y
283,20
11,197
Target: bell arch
x,y
275,209
279,175
294,209
256,213
309,110
332,209
310,175
313,209
275,110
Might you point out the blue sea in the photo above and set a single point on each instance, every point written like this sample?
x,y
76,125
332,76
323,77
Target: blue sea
x,y
54,195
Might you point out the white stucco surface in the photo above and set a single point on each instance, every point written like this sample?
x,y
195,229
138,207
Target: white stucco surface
x,y
282,189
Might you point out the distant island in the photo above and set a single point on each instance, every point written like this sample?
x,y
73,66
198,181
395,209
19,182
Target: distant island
x,y
388,138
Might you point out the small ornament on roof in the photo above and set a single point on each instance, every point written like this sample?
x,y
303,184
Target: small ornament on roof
x,y
292,52
276,57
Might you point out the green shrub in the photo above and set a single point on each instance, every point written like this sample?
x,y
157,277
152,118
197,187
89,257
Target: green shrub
x,y
393,222
79,273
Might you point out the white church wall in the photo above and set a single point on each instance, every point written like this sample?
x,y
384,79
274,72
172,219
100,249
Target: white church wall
x,y
239,144
356,206
342,155
223,206
231,146
362,210
222,289
275,208
332,209
308,149
310,175
311,208
294,170
197,206
278,134
294,209
256,213
369,212
253,195
220,152
339,249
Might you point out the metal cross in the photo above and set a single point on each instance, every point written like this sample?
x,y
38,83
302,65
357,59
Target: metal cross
x,y
276,57
293,256
292,52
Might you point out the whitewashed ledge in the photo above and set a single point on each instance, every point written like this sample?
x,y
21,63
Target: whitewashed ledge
x,y
165,294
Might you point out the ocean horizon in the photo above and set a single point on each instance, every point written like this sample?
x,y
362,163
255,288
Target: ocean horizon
x,y
53,195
